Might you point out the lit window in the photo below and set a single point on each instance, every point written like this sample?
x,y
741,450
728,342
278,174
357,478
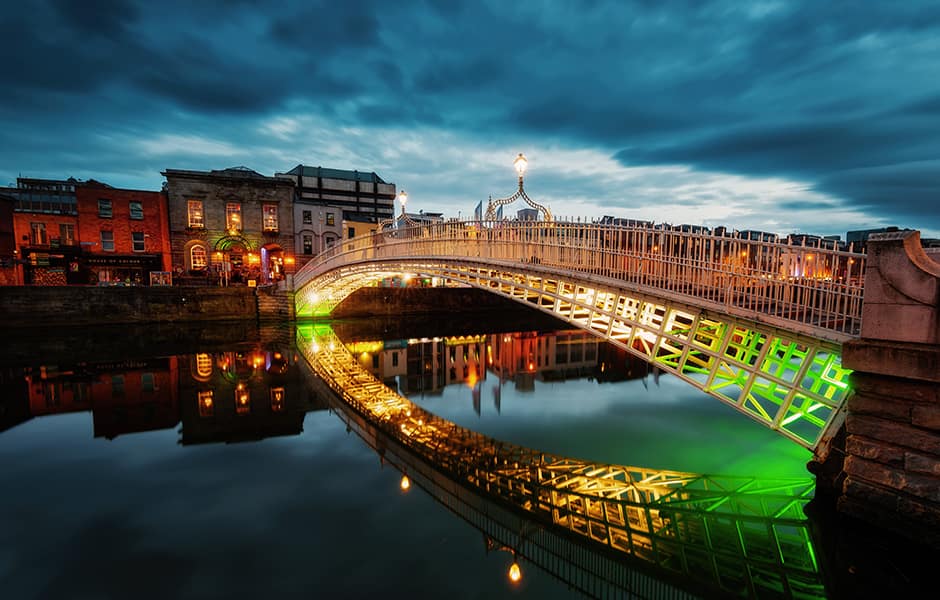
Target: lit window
x,y
308,244
242,400
107,240
277,399
308,217
206,404
66,234
330,220
104,208
137,240
198,257
38,234
203,365
269,217
137,211
233,216
195,214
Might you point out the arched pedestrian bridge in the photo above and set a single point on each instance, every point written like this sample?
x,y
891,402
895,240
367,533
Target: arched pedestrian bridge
x,y
756,323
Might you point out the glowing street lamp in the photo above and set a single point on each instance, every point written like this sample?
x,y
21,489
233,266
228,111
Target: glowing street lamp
x,y
520,165
403,198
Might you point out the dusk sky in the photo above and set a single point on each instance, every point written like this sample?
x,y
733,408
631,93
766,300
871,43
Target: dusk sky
x,y
786,116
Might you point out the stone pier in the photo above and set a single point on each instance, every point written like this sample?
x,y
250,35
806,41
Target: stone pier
x,y
891,471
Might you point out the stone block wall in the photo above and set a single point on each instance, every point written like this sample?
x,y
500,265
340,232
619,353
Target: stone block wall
x,y
26,306
891,469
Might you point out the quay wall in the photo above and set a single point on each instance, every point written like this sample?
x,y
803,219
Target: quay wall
x,y
30,306
891,470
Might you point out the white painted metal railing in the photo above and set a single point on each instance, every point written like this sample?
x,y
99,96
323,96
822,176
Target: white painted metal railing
x,y
810,286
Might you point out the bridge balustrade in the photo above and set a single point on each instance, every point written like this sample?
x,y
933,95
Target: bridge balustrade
x,y
812,287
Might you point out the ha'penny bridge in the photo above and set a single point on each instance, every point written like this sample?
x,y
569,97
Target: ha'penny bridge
x,y
756,324
837,350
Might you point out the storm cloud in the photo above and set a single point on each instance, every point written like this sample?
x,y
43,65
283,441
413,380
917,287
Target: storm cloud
x,y
774,115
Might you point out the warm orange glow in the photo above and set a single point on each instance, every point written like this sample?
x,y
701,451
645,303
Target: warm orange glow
x,y
405,483
531,366
515,573
289,260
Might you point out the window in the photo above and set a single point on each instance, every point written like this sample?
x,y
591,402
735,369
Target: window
x,y
66,234
352,233
308,244
147,382
137,241
330,220
269,217
206,405
242,400
195,214
307,217
330,240
233,216
375,361
38,234
277,399
394,359
104,208
198,257
107,240
117,385
137,211
203,365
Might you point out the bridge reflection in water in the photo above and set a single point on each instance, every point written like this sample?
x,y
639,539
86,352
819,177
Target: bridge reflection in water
x,y
709,534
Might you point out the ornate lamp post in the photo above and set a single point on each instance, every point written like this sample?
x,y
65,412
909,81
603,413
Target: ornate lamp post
x,y
520,164
403,198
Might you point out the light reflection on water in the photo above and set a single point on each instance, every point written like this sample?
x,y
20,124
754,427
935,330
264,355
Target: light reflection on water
x,y
161,509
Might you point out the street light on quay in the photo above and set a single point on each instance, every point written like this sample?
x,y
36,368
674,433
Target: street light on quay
x,y
520,165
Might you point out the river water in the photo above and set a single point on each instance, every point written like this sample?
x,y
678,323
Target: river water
x,y
170,462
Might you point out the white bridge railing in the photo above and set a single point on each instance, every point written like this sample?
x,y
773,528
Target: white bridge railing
x,y
811,286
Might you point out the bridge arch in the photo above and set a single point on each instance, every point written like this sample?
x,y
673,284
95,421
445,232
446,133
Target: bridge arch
x,y
709,324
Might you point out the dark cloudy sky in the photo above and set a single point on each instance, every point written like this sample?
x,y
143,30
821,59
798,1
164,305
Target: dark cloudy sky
x,y
817,116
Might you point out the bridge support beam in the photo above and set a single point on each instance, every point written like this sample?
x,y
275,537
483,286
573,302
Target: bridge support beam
x,y
891,472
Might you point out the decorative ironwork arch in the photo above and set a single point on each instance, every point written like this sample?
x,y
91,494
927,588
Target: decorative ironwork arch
x,y
226,242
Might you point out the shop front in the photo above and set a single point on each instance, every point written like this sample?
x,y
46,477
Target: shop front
x,y
131,269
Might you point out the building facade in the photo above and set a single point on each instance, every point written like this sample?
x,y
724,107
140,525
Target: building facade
x,y
230,226
8,253
325,199
124,234
45,229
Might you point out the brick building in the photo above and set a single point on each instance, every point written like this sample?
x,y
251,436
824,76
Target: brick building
x,y
45,224
124,234
230,226
8,275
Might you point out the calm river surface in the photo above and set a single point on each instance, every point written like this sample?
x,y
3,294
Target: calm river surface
x,y
199,463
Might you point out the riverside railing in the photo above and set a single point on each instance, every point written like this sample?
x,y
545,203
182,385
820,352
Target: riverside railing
x,y
813,284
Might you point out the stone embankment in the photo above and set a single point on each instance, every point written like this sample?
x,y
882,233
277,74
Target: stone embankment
x,y
30,306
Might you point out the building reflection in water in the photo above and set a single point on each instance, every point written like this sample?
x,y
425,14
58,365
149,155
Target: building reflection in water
x,y
427,365
240,395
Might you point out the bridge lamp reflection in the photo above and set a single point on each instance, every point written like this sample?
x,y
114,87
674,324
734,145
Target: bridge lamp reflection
x,y
515,572
405,483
